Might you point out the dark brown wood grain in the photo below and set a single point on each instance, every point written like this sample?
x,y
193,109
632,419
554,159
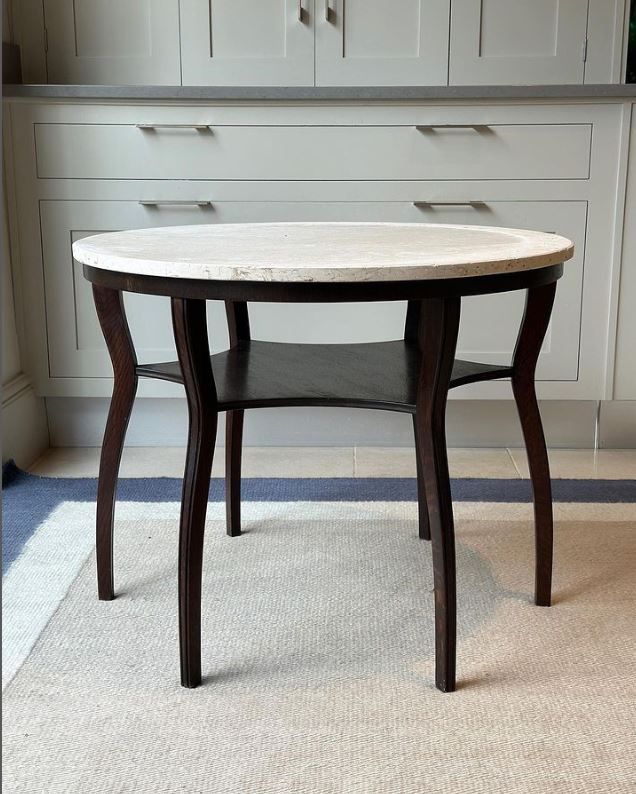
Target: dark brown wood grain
x,y
412,322
411,336
238,322
109,304
238,325
191,339
233,455
439,326
322,292
424,525
536,318
379,375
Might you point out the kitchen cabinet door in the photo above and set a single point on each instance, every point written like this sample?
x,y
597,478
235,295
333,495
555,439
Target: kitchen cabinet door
x,y
247,42
375,42
625,364
512,42
113,42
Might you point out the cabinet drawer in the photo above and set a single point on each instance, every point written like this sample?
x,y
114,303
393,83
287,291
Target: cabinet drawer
x,y
488,327
498,151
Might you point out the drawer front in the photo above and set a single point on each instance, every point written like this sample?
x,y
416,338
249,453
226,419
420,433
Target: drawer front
x,y
489,323
498,151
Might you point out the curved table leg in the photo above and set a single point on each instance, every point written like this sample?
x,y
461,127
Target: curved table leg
x,y
109,304
411,332
233,454
238,324
422,504
191,338
439,326
534,325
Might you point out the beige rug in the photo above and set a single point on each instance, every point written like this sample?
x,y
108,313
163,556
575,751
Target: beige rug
x,y
318,658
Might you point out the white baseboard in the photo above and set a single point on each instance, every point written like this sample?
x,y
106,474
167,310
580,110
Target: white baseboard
x,y
618,424
163,422
25,433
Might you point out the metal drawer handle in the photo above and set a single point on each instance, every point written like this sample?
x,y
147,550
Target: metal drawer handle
x,y
151,127
175,203
474,204
433,127
330,13
301,11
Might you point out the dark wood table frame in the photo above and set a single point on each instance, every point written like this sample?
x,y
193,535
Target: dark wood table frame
x,y
411,375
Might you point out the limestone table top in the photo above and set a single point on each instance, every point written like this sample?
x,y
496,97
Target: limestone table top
x,y
322,252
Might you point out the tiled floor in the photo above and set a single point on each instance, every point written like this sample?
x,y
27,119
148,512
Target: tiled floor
x,y
606,464
344,462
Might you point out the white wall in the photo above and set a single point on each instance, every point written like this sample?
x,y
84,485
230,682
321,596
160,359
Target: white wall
x,y
25,432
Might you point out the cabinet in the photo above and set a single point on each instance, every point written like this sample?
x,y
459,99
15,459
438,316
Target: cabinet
x,y
88,167
517,42
320,42
316,152
112,41
374,42
247,42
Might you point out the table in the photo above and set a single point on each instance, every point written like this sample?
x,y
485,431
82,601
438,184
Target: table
x,y
431,266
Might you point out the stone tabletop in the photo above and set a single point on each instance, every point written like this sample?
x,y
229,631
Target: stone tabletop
x,y
322,252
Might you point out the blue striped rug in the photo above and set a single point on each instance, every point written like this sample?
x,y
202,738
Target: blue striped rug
x,y
318,642
29,499
49,523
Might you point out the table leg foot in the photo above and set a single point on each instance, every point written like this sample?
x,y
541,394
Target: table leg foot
x,y
533,329
233,453
190,332
438,338
112,317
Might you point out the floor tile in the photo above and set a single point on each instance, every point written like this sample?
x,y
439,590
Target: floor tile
x,y
339,462
67,462
169,462
606,464
400,462
136,462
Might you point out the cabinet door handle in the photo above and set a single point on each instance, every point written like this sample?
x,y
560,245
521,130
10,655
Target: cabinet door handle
x,y
151,127
430,127
476,205
173,203
330,13
301,11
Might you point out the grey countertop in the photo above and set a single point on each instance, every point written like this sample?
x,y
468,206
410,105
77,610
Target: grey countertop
x,y
348,93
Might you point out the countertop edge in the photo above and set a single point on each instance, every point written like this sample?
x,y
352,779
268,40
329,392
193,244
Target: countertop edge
x,y
349,93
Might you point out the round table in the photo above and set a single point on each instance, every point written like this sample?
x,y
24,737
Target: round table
x,y
431,266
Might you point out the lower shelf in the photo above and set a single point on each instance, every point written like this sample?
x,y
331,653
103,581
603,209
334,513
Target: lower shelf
x,y
372,375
